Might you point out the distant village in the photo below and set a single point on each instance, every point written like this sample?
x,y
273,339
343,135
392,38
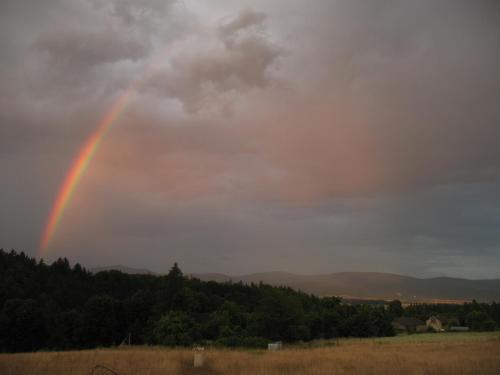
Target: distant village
x,y
439,323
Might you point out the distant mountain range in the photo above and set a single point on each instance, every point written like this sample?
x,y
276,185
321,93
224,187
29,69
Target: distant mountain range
x,y
363,285
374,285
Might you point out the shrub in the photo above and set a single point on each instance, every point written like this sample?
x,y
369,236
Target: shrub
x,y
229,341
254,342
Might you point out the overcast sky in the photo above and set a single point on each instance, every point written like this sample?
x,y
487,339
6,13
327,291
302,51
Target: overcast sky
x,y
303,136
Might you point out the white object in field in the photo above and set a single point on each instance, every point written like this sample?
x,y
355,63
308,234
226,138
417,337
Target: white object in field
x,y
273,346
199,357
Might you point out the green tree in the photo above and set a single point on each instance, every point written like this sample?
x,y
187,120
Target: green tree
x,y
175,329
21,325
175,278
101,323
71,329
480,321
228,321
395,308
279,316
361,323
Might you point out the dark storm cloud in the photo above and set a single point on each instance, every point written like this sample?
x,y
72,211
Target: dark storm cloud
x,y
239,59
339,136
84,48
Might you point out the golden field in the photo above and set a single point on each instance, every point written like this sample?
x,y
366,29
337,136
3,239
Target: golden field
x,y
447,353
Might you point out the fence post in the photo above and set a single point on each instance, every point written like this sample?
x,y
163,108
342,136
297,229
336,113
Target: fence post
x,y
199,358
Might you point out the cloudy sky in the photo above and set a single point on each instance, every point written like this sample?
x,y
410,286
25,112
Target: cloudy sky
x,y
308,137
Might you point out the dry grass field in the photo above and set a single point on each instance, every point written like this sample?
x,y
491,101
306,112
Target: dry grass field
x,y
467,353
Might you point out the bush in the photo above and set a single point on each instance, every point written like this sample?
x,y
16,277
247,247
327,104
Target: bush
x,y
480,321
488,325
254,342
230,341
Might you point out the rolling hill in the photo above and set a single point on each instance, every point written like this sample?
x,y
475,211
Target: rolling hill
x,y
374,285
361,285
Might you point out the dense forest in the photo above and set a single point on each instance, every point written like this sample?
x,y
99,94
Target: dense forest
x,y
59,306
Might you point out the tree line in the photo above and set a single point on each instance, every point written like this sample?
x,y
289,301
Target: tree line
x,y
58,307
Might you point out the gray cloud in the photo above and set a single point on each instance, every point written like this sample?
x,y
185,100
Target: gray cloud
x,y
339,136
245,20
84,48
143,11
240,59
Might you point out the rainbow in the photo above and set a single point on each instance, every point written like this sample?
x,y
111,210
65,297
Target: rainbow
x,y
91,145
79,166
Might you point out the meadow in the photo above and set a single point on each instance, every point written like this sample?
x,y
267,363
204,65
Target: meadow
x,y
447,353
